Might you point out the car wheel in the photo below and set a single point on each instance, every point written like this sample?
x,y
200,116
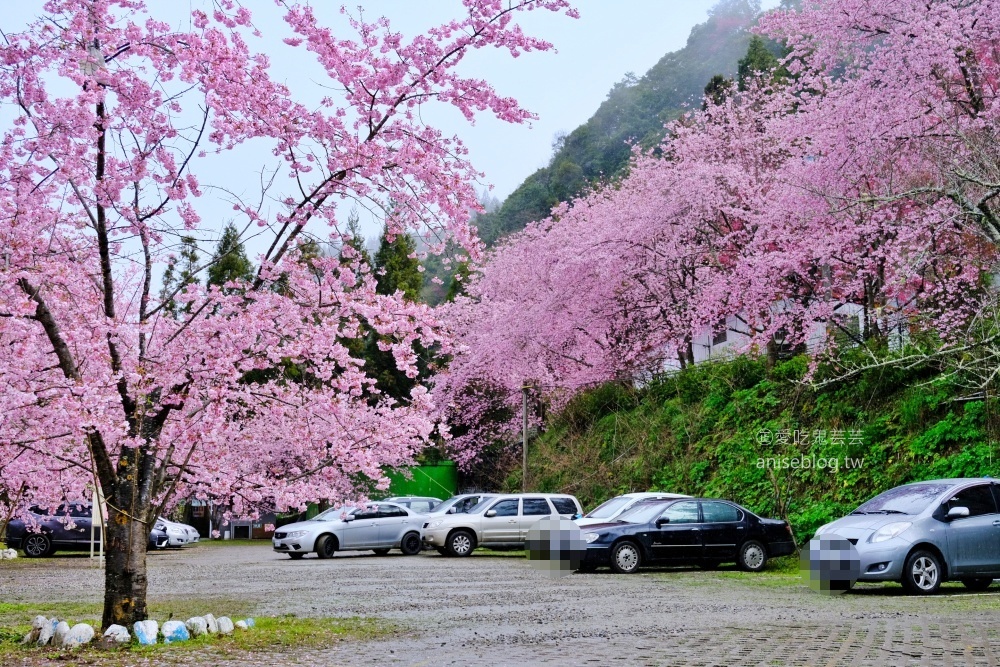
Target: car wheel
x,y
326,546
626,558
978,583
37,545
296,556
461,543
381,552
710,564
752,556
410,545
922,573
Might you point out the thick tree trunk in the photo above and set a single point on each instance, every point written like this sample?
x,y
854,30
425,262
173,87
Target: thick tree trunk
x,y
127,533
125,569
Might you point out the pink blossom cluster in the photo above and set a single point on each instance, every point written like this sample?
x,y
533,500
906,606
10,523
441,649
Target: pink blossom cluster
x,y
868,174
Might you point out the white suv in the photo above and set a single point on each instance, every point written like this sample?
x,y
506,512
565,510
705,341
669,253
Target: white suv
x,y
500,521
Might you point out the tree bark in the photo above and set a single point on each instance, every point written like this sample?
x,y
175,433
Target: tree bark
x,y
127,534
125,569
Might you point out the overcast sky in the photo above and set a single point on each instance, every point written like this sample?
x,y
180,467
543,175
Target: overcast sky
x,y
611,38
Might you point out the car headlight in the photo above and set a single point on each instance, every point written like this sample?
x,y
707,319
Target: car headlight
x,y
297,533
434,524
822,529
591,537
889,531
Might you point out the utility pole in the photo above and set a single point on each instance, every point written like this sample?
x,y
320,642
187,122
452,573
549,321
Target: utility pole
x,y
524,438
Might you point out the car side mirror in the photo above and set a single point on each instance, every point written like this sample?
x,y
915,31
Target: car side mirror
x,y
957,513
349,517
451,510
662,521
491,513
577,516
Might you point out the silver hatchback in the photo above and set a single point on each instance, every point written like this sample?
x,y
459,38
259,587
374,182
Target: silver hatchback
x,y
923,534
378,527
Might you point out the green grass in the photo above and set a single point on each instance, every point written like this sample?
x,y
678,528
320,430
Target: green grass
x,y
270,633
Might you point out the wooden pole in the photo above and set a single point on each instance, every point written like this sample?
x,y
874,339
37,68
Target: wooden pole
x,y
524,439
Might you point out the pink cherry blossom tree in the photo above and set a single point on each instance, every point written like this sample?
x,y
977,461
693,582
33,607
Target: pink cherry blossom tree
x,y
111,117
868,179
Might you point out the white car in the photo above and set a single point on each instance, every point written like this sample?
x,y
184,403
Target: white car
x,y
609,510
496,521
374,527
178,534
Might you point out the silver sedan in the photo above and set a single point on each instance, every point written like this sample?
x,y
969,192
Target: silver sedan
x,y
923,534
378,527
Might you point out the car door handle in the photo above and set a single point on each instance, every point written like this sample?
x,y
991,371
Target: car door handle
x,y
997,522
696,530
512,521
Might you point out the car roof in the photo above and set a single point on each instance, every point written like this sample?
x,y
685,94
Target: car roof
x,y
644,495
955,481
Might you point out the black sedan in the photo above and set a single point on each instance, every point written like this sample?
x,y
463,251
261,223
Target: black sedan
x,y
701,531
52,532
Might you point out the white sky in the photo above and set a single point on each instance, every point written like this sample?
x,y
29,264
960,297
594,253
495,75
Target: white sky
x,y
564,88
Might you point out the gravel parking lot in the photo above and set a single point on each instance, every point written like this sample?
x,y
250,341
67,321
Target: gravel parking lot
x,y
496,610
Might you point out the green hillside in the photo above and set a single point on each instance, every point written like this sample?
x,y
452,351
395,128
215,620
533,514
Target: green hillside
x,y
634,112
701,432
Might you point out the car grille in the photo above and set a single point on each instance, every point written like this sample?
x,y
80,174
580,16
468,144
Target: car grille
x,y
279,535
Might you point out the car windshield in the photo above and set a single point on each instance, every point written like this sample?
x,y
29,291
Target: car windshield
x,y
333,513
642,513
609,508
909,499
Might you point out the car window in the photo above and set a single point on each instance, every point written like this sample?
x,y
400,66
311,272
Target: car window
x,y
421,506
79,511
720,513
536,507
979,500
564,505
386,511
682,513
366,513
506,508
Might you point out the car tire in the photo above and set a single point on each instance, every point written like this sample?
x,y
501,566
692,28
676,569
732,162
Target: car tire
x,y
326,546
296,556
922,573
460,543
381,552
752,556
978,583
626,557
36,545
410,545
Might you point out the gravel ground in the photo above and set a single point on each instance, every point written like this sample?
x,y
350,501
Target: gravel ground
x,y
497,610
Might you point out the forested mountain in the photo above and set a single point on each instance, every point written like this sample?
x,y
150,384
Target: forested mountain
x,y
635,111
